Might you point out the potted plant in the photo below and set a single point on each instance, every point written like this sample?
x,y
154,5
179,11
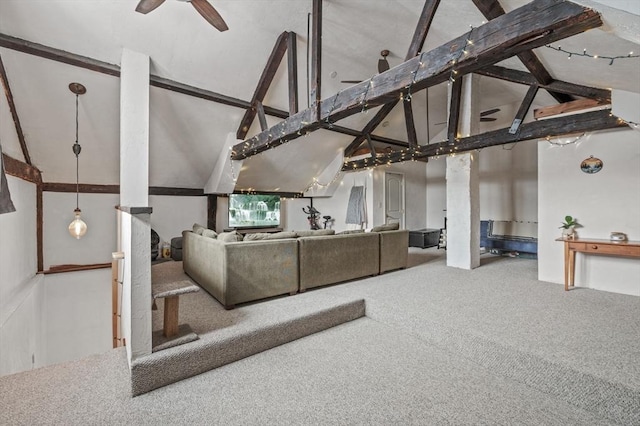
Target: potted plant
x,y
568,227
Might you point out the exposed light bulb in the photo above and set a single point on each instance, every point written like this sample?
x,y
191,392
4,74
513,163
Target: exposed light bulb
x,y
77,228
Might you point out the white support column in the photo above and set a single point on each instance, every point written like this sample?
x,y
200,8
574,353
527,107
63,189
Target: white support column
x,y
134,214
134,129
463,188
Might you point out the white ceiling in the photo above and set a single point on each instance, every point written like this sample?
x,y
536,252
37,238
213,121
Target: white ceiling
x,y
187,133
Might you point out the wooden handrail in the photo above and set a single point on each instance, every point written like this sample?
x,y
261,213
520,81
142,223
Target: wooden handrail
x,y
58,269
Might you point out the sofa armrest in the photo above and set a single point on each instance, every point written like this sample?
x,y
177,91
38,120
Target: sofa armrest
x,y
394,250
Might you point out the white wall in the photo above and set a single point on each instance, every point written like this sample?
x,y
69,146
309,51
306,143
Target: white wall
x,y
21,290
172,214
98,211
77,314
508,184
602,202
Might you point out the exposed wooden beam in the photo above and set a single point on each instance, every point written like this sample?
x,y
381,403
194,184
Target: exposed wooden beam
x,y
14,112
316,57
454,110
372,124
377,138
21,170
491,9
39,227
372,149
578,105
559,86
553,127
179,192
212,210
87,188
412,136
419,36
524,108
422,29
58,55
261,117
269,71
292,66
156,81
535,24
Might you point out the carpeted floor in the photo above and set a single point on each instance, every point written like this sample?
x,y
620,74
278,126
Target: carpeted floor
x,y
437,346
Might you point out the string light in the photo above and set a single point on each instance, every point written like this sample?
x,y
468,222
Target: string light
x,y
463,51
559,143
584,53
413,80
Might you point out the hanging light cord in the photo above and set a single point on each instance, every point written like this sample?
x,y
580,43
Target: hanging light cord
x,y
77,152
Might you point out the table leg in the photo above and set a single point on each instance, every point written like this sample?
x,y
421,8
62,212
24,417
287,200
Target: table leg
x,y
572,267
170,316
566,266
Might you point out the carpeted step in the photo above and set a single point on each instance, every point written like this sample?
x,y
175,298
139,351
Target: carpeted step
x,y
285,323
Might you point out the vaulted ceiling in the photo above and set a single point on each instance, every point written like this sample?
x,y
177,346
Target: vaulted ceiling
x,y
187,134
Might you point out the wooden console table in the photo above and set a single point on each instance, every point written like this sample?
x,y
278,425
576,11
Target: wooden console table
x,y
593,246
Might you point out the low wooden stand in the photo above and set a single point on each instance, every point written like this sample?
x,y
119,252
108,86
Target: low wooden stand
x,y
593,246
171,292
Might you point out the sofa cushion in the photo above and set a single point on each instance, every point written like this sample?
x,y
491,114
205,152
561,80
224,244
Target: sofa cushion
x,y
209,233
198,229
387,227
229,237
315,232
351,231
269,236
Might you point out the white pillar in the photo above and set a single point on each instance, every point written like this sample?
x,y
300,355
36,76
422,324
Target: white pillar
x,y
463,188
134,129
134,215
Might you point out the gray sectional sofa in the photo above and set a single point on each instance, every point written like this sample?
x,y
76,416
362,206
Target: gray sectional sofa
x,y
236,271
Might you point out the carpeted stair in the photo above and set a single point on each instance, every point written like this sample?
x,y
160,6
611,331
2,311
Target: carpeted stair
x,y
281,323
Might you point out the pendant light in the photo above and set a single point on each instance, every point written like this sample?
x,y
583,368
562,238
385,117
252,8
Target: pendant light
x,y
77,228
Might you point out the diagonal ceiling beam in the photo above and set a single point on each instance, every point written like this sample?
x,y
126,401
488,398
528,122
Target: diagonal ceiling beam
x,y
372,124
524,108
553,127
422,29
14,113
454,110
535,24
85,62
269,72
559,86
491,9
417,41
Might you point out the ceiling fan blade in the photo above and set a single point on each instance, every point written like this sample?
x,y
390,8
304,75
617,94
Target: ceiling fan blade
x,y
210,14
487,119
489,112
383,65
146,6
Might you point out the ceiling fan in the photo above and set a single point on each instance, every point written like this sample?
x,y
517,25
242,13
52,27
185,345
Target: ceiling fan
x,y
383,65
202,6
483,114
